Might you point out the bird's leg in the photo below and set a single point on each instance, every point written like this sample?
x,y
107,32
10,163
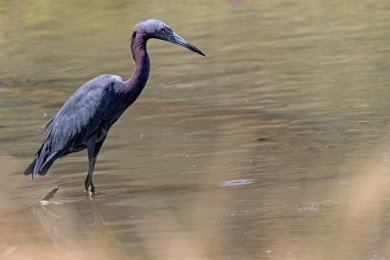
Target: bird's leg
x,y
91,167
93,151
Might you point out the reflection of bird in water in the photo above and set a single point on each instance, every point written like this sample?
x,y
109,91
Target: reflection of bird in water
x,y
75,227
86,117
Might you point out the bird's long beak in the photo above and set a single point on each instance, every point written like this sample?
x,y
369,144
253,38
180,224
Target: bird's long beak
x,y
178,40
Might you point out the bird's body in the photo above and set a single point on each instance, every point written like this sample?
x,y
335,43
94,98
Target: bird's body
x,y
86,117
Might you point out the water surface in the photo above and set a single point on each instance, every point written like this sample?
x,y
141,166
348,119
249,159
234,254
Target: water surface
x,y
291,102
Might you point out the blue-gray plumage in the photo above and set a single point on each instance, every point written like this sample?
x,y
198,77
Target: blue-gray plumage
x,y
86,117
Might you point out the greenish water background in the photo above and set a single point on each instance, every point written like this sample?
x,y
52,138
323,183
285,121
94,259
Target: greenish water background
x,y
292,95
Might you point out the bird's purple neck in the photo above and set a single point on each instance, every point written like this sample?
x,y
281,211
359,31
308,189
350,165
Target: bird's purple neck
x,y
140,75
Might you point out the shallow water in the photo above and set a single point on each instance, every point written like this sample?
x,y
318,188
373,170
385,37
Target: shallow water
x,y
290,106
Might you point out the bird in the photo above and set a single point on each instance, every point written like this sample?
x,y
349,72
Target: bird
x,y
85,118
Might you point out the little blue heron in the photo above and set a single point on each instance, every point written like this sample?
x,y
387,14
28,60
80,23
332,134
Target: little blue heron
x,y
86,117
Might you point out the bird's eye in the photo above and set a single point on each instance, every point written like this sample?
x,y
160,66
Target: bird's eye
x,y
161,30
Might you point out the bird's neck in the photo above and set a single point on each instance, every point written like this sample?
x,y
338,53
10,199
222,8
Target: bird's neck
x,y
140,75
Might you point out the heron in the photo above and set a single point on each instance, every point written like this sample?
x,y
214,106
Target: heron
x,y
85,118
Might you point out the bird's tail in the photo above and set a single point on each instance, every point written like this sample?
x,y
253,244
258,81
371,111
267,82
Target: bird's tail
x,y
42,162
42,171
30,168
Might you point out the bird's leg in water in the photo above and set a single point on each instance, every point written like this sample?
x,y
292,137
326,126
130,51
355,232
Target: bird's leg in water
x,y
88,180
93,151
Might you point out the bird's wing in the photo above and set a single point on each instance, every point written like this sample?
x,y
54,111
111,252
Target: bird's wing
x,y
81,115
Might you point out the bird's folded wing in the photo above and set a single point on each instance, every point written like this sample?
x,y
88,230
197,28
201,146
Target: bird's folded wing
x,y
81,115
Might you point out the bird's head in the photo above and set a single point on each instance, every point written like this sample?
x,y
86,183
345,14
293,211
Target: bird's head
x,y
153,28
